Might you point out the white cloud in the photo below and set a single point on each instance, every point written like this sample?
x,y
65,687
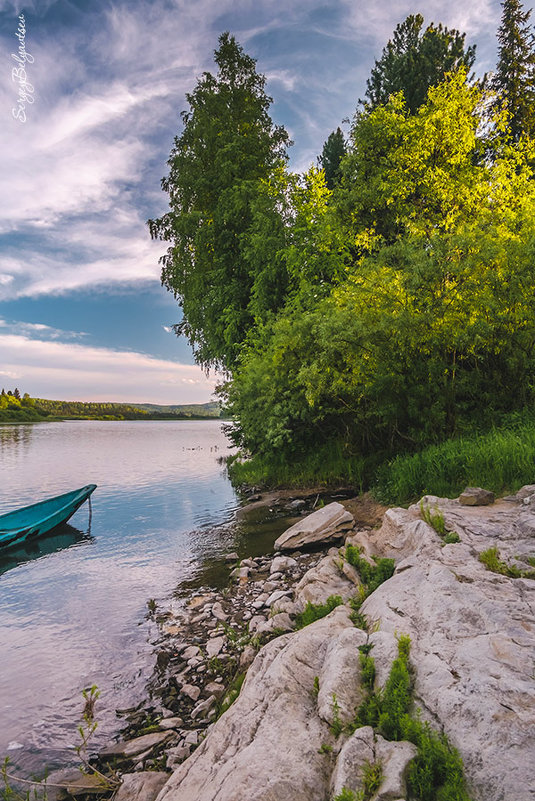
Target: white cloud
x,y
69,371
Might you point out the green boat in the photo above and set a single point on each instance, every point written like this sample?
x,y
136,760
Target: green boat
x,y
32,521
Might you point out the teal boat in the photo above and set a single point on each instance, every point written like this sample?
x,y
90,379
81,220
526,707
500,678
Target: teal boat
x,y
32,521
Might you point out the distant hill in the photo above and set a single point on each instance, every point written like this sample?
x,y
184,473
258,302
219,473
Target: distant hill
x,y
211,409
124,411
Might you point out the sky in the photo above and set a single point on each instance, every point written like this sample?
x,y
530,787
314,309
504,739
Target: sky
x,y
84,147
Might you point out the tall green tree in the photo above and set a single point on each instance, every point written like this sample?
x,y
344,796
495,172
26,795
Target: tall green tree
x,y
332,154
414,60
514,80
228,149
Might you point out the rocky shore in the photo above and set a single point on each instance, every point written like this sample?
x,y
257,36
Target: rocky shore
x,y
249,702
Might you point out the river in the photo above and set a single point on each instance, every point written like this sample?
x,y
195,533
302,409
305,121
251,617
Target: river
x,y
73,609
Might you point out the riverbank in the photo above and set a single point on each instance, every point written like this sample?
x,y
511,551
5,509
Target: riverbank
x,y
247,700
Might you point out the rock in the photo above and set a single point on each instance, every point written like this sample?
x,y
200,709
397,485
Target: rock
x,y
354,754
170,723
216,688
198,600
232,557
132,748
280,622
281,564
203,707
298,503
57,781
473,637
475,496
276,596
143,786
191,690
394,758
191,652
266,744
284,605
246,657
87,784
218,612
326,524
324,580
255,621
215,646
176,755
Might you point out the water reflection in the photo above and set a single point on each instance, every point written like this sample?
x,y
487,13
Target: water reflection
x,y
14,435
62,537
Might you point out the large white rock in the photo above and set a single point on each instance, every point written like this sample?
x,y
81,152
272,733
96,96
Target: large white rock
x,y
473,637
326,524
266,745
327,578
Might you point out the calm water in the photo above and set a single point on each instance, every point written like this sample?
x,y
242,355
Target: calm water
x,y
77,615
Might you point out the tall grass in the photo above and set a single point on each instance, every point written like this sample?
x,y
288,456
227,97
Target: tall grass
x,y
501,460
330,464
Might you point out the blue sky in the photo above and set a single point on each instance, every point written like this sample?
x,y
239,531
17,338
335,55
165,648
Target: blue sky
x,y
82,312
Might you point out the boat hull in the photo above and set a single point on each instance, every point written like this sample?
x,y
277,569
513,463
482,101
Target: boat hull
x,y
39,518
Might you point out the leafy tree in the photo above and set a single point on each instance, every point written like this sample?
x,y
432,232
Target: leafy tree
x,y
514,80
333,151
229,148
432,328
413,61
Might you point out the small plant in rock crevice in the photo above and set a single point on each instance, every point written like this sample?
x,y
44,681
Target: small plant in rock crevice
x,y
313,612
372,576
435,519
436,773
337,726
492,561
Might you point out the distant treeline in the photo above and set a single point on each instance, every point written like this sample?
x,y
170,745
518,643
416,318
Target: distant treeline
x,y
14,408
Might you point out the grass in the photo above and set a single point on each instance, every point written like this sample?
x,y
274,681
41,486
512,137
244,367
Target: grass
x,y
313,612
492,561
371,575
435,519
500,460
330,464
436,773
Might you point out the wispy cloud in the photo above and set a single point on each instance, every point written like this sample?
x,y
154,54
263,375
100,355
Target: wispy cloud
x,y
39,330
72,371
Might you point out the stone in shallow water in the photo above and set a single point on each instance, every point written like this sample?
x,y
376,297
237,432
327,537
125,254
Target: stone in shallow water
x,y
132,748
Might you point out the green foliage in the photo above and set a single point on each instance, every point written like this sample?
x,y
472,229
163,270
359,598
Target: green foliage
x,y
325,748
514,79
367,667
347,795
337,726
435,518
313,612
372,576
333,151
219,192
372,775
316,687
491,559
436,773
501,459
413,61
356,616
231,694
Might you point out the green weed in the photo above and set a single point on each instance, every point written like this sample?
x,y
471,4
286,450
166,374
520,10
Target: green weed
x,y
372,576
337,726
435,518
491,559
313,612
